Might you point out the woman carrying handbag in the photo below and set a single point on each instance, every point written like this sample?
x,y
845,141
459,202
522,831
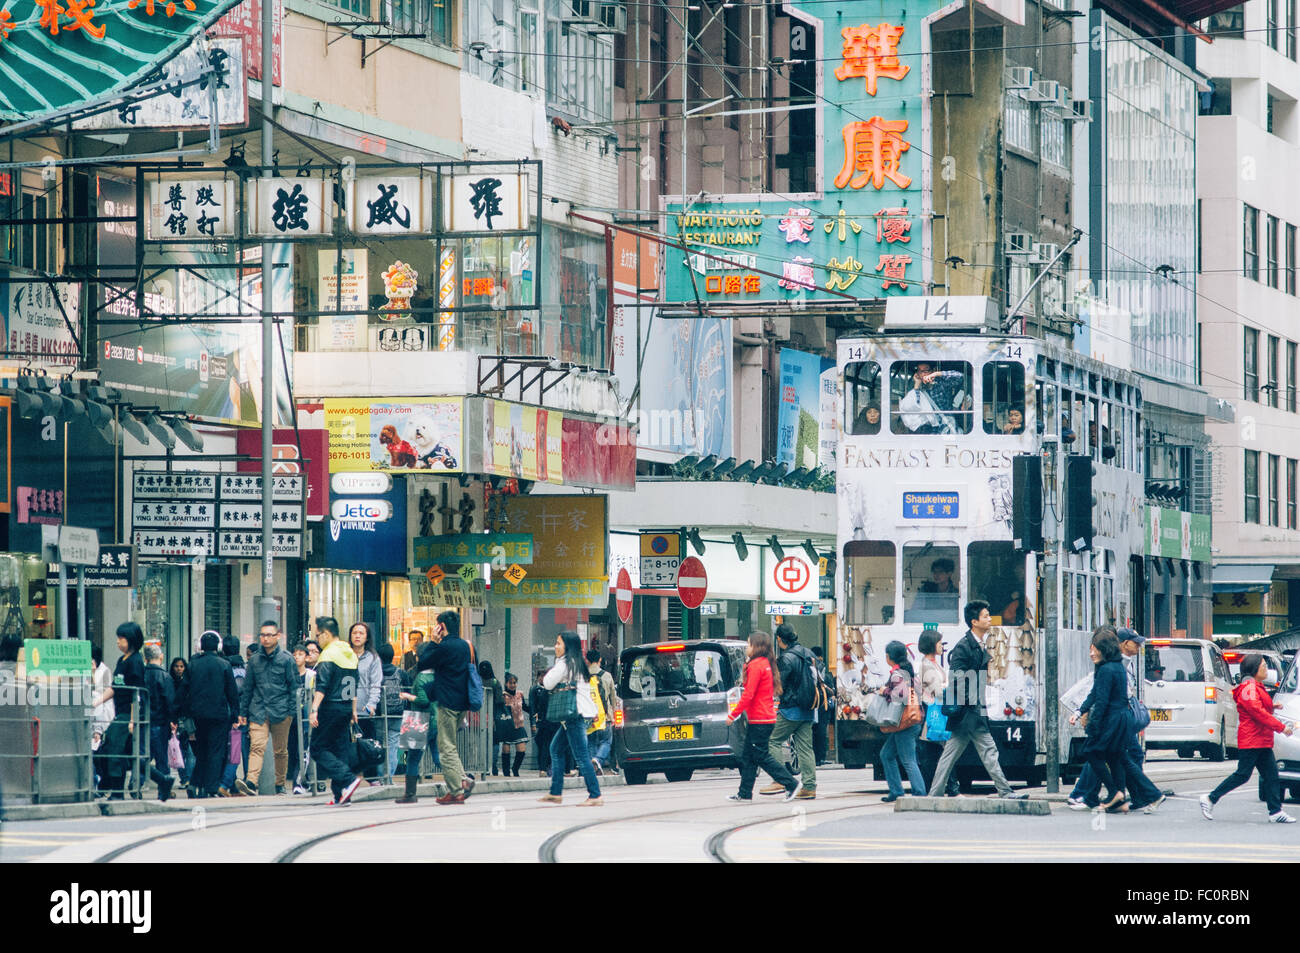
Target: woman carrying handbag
x,y
413,737
900,746
569,706
934,729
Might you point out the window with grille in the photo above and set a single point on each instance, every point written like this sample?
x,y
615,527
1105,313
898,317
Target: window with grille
x,y
1271,241
1019,122
1274,348
1290,375
1250,243
1052,140
1290,259
1250,363
1273,462
1250,483
1290,494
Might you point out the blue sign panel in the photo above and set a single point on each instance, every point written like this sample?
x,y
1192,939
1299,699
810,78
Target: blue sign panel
x,y
369,544
931,506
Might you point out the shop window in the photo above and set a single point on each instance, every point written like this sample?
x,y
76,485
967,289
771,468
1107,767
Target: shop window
x,y
862,397
869,577
997,575
931,397
1004,397
931,583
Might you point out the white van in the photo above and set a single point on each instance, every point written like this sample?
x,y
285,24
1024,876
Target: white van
x,y
1189,694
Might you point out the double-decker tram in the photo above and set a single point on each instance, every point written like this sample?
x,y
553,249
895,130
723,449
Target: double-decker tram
x,y
932,420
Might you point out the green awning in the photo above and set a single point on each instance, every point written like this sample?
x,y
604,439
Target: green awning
x,y
99,48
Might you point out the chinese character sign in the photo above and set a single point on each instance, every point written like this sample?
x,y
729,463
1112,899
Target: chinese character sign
x,y
191,209
486,202
289,207
395,205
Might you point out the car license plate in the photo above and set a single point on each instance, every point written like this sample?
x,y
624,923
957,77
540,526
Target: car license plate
x,y
677,733
1161,714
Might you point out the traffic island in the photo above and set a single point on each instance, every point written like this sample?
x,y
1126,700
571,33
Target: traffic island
x,y
973,805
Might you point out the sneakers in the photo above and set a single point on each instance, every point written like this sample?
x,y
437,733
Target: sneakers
x,y
165,789
467,786
774,788
349,791
551,799
1281,817
1207,807
1014,796
790,793
333,803
592,802
737,797
457,798
245,788
299,789
1154,805
1076,804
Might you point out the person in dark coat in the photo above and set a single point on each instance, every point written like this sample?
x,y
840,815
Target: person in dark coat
x,y
209,697
1106,708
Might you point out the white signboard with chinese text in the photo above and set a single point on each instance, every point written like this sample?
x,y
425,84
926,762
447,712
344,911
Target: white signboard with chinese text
x,y
248,545
187,102
485,202
391,204
173,543
247,516
196,209
78,546
155,485
173,515
36,325
241,486
288,208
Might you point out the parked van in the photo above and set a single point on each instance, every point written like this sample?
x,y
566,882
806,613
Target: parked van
x,y
676,698
1189,694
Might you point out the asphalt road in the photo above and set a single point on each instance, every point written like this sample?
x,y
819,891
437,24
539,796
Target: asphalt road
x,y
661,822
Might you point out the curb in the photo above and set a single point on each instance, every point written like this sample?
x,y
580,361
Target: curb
x,y
183,805
949,805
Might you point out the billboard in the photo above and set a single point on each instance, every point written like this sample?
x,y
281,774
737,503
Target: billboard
x,y
569,562
409,433
799,420
523,442
686,383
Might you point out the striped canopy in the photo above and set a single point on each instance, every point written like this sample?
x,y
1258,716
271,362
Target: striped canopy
x,y
100,47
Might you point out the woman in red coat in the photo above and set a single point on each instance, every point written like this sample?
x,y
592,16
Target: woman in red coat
x,y
758,705
1256,725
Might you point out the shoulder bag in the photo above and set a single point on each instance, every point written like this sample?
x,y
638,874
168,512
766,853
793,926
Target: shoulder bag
x,y
562,705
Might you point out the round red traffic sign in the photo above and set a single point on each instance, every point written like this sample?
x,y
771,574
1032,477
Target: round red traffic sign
x,y
692,582
623,595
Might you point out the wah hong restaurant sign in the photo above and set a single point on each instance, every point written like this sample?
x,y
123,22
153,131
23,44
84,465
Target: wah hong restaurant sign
x,y
56,54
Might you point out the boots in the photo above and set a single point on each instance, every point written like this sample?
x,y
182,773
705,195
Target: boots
x,y
505,763
410,798
519,759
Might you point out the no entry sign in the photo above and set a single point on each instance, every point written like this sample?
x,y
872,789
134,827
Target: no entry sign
x,y
623,595
692,582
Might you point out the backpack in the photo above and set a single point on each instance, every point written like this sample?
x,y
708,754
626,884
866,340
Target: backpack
x,y
598,696
805,695
392,692
825,689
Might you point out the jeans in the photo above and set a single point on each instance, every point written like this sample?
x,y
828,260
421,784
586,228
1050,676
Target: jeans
x,y
821,741
802,732
187,753
574,734
756,754
1248,759
900,746
394,727
453,772
1140,788
600,743
279,735
330,744
985,747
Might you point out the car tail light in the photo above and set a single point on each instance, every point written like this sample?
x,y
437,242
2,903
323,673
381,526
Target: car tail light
x,y
1211,694
733,699
1233,657
618,716
673,647
1160,642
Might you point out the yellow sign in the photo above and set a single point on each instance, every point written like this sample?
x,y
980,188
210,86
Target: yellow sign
x,y
569,533
516,573
434,574
821,566
661,545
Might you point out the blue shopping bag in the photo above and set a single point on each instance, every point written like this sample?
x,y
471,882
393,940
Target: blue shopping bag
x,y
936,724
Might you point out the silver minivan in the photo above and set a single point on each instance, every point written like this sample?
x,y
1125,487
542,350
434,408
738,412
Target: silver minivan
x,y
675,701
1189,694
1287,750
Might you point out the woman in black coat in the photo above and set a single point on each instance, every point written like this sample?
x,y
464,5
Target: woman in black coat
x,y
1106,708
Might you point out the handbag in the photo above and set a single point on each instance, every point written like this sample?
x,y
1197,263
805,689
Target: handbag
x,y
414,733
882,712
911,714
475,687
236,746
369,752
1138,713
562,706
936,725
174,757
187,726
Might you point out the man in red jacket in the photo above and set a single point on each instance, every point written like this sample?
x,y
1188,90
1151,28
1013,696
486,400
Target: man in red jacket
x,y
1256,725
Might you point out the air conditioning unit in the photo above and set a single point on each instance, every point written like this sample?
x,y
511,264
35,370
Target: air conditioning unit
x,y
1044,253
1044,91
1080,110
1062,100
1018,243
612,17
1018,77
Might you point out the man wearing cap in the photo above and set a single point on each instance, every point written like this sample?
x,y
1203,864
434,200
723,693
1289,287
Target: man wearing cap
x,y
1142,793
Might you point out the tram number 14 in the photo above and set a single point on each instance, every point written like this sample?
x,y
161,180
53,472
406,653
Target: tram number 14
x,y
1013,350
1014,736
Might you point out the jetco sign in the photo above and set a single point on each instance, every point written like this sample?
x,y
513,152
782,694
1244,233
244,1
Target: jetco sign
x,y
370,511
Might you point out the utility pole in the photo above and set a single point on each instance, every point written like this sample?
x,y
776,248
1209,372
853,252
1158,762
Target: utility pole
x,y
266,605
1050,590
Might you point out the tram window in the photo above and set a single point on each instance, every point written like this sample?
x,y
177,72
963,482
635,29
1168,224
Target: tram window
x,y
931,582
1047,407
1004,397
869,576
997,575
1094,429
862,397
1080,609
1109,417
930,397
1068,434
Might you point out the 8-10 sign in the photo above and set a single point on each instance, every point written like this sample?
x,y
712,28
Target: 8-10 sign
x,y
661,556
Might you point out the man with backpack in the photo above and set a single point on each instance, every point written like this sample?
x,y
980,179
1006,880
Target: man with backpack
x,y
796,710
825,706
601,740
452,660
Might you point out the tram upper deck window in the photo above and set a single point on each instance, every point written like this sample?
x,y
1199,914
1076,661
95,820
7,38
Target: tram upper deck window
x,y
931,582
862,397
870,572
1004,397
930,397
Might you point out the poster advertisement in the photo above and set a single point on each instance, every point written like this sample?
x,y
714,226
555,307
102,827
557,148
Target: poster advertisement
x,y
798,435
568,570
400,434
526,442
344,291
686,381
36,327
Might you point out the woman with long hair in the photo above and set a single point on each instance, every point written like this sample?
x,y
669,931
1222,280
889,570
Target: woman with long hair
x,y
370,681
930,687
758,705
1106,710
177,670
569,674
127,689
900,746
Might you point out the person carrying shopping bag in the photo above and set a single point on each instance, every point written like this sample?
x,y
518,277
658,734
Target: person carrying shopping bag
x,y
900,746
569,706
758,705
413,737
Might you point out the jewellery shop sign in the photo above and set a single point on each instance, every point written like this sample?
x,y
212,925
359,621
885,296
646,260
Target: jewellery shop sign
x,y
193,513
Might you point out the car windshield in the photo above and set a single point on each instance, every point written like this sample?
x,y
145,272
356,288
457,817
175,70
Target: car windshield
x,y
1174,663
689,672
1289,683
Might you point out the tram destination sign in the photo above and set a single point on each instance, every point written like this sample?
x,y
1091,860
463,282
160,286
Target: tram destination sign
x,y
931,505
